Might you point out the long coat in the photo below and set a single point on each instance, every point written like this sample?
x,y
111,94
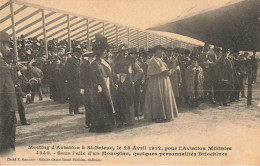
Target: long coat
x,y
191,77
128,72
175,76
72,74
101,102
159,101
224,69
8,107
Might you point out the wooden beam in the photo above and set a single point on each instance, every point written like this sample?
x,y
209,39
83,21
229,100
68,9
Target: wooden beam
x,y
128,35
106,29
109,32
94,30
146,43
14,13
55,33
71,30
13,28
92,26
22,20
138,38
48,23
55,26
122,36
44,34
80,36
4,5
103,28
34,22
68,24
78,33
87,21
117,35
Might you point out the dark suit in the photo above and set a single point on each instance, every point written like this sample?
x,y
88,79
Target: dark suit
x,y
8,106
72,75
86,85
224,70
18,81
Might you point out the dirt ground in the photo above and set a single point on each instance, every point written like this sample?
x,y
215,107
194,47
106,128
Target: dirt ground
x,y
237,126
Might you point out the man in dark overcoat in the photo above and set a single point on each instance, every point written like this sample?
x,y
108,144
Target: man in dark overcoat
x,y
224,70
85,85
8,103
72,77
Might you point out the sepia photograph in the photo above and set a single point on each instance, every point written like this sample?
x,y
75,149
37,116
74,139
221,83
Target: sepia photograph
x,y
129,82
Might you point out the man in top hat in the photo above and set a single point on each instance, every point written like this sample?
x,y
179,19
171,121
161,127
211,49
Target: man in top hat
x,y
160,105
8,102
72,77
85,85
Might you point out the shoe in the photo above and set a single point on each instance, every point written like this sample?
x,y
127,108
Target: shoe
x,y
159,121
243,96
78,113
168,120
26,123
71,113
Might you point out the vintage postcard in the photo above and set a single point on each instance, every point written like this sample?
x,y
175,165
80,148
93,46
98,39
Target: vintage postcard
x,y
129,82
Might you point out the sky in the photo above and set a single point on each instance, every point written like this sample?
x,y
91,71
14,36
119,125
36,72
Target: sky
x,y
140,14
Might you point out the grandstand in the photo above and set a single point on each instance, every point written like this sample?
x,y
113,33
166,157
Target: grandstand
x,y
19,18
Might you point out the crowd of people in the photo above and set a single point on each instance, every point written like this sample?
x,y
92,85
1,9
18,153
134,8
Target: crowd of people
x,y
116,85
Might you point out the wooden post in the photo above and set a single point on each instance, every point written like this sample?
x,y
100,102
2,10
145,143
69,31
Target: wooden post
x,y
44,34
68,23
103,31
117,35
146,44
128,35
138,44
88,33
13,28
250,82
153,40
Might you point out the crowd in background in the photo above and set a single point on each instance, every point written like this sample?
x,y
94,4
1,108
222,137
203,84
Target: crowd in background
x,y
204,74
116,85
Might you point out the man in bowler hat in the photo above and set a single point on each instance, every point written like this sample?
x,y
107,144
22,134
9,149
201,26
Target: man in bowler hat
x,y
72,77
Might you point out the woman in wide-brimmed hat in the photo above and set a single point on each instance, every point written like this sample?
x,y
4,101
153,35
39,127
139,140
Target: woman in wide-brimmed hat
x,y
102,119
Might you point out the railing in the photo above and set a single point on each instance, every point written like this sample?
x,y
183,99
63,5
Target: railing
x,y
31,20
